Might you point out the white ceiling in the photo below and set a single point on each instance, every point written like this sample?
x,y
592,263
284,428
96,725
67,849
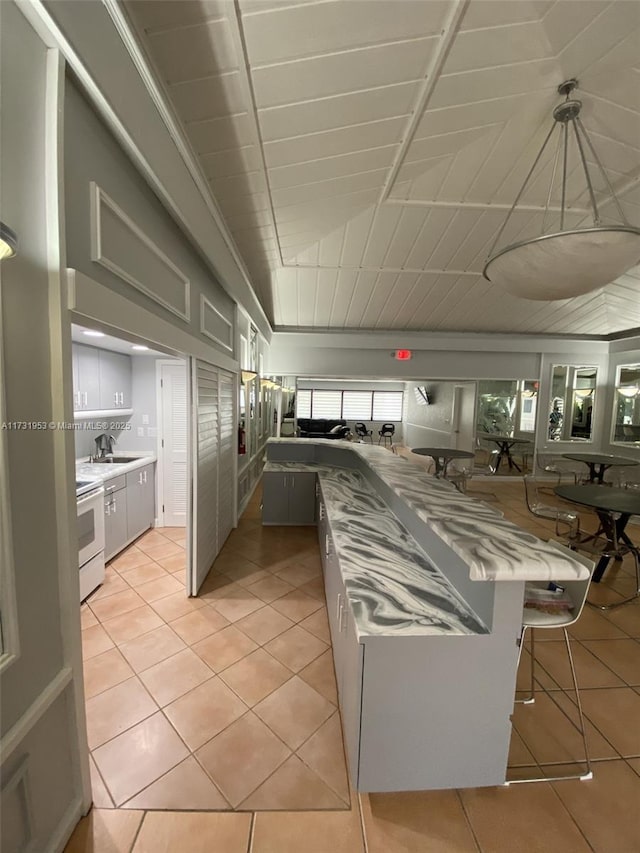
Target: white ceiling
x,y
364,152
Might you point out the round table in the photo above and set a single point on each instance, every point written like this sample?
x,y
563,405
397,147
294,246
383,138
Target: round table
x,y
603,461
442,456
614,507
505,443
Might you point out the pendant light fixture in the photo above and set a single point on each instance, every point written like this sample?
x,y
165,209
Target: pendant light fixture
x,y
569,261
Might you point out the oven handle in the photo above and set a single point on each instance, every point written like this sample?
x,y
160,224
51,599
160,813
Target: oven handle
x,y
91,496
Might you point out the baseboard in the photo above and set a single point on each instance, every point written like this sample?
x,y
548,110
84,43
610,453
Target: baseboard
x,y
63,831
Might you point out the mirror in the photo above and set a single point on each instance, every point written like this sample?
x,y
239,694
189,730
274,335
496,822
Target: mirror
x,y
626,416
573,392
506,406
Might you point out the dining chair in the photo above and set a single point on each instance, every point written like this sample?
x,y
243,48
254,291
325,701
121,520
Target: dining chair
x,y
534,619
547,463
536,506
386,432
363,432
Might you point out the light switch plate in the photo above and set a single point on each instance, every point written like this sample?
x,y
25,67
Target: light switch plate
x,y
145,419
140,432
152,432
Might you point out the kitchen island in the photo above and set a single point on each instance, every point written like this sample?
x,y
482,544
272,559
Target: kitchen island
x,y
424,591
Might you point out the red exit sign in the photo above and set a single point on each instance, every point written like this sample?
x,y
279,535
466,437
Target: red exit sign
x,y
402,354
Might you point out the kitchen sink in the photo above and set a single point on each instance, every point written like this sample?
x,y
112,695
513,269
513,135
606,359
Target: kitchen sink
x,y
117,459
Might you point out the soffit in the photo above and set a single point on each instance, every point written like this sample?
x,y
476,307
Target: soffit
x,y
358,165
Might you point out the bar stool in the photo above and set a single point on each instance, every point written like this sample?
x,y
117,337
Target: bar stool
x,y
554,513
534,620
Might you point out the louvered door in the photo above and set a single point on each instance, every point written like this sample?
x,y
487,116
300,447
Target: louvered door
x,y
228,454
205,473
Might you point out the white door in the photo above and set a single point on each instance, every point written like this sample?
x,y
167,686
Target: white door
x,y
463,416
172,456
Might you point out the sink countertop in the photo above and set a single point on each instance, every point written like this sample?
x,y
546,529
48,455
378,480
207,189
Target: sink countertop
x,y
108,470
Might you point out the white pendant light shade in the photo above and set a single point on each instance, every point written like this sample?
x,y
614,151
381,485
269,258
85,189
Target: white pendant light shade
x,y
561,262
566,264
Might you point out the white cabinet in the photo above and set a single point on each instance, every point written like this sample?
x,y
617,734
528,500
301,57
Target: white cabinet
x,y
289,497
101,379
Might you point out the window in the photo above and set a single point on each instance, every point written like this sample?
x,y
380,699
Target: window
x,y
387,406
356,405
350,405
303,404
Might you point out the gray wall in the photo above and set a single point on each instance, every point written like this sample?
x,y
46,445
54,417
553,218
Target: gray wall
x,y
429,426
92,154
31,324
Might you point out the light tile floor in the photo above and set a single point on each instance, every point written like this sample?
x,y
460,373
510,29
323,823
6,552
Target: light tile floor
x,y
195,746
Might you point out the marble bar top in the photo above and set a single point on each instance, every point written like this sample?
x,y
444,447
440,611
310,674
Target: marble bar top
x,y
393,587
493,548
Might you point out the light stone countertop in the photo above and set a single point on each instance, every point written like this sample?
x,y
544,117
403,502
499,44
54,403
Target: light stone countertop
x,y
493,548
108,470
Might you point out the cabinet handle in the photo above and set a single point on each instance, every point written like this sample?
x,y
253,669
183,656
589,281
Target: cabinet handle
x,y
115,398
140,478
342,624
339,600
327,545
107,509
144,475
121,398
113,505
85,398
293,482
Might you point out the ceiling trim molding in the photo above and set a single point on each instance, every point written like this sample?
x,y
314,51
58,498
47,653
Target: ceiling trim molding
x,y
449,32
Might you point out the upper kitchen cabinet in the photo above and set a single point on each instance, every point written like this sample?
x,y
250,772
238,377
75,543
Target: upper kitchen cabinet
x,y
101,380
115,380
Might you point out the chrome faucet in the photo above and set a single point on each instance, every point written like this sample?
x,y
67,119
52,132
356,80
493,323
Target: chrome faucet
x,y
104,445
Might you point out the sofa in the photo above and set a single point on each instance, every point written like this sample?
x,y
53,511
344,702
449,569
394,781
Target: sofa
x,y
322,428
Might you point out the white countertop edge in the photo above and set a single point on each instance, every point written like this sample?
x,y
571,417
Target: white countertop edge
x,y
107,471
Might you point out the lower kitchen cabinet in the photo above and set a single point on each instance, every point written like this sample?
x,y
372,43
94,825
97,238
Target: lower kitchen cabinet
x,y
115,516
141,500
289,498
129,508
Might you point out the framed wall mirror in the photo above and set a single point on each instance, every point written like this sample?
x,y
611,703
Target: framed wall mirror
x,y
506,407
626,413
572,402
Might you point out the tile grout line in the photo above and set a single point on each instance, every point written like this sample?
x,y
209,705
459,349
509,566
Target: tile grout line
x,y
468,820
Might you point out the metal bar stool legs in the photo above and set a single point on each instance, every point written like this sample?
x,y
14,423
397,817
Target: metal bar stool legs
x,y
530,700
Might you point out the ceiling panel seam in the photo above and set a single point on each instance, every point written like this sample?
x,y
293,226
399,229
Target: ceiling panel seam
x,y
238,37
449,32
260,66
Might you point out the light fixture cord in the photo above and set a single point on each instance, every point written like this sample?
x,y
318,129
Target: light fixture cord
x,y
596,215
522,188
602,171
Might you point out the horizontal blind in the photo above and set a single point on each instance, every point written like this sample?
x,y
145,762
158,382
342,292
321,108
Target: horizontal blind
x,y
303,404
387,405
326,404
356,405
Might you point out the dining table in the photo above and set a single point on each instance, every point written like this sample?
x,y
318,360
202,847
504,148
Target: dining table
x,y
614,507
442,456
505,443
599,463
